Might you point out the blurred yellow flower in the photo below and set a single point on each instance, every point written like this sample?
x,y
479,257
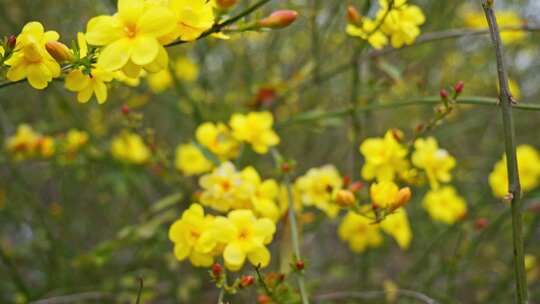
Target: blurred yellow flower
x,y
193,237
384,158
402,23
445,205
245,237
186,69
376,38
28,143
219,139
31,59
397,226
388,195
529,171
194,17
131,37
436,162
191,161
130,147
477,20
318,188
74,140
256,129
160,81
359,232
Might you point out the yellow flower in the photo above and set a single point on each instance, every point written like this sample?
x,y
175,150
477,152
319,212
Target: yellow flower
x,y
384,158
87,85
435,161
191,161
359,232
31,60
377,39
194,17
75,139
256,129
194,237
263,200
28,143
130,147
318,188
186,69
401,23
397,226
387,195
218,139
445,205
477,20
131,37
225,188
245,237
2,51
529,171
160,81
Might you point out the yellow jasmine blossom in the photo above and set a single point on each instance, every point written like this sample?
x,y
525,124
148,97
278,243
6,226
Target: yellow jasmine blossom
x,y
88,85
219,139
367,31
160,81
193,237
397,226
359,232
191,161
28,143
131,37
445,205
225,188
318,188
31,60
401,23
263,200
256,129
130,147
477,20
186,69
75,139
387,195
194,17
436,162
245,237
384,158
529,171
2,51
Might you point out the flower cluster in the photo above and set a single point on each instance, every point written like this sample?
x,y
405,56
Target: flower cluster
x,y
396,22
237,237
130,148
528,159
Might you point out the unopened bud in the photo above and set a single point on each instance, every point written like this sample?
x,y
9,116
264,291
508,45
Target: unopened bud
x,y
402,198
346,181
398,134
217,270
263,299
11,41
299,265
356,186
458,87
226,4
59,51
444,94
345,198
125,109
246,281
279,19
286,167
353,16
481,223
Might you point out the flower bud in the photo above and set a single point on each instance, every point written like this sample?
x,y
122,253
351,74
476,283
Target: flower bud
x,y
279,19
263,299
356,186
246,281
353,16
345,198
286,167
125,109
444,94
217,270
225,4
346,181
59,51
11,41
458,87
299,265
481,223
402,198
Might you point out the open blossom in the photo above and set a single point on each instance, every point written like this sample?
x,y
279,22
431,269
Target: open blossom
x,y
264,197
436,162
368,31
191,161
87,85
384,158
130,147
505,18
397,225
194,237
388,195
245,237
74,140
529,171
255,128
445,205
28,143
359,232
194,17
318,188
219,139
130,38
31,59
402,23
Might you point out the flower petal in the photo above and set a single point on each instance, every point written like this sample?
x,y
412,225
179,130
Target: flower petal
x,y
156,22
259,256
115,55
145,50
234,256
76,81
103,30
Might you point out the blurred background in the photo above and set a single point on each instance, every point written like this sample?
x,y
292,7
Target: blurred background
x,y
93,224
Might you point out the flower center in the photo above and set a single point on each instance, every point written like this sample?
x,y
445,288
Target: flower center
x,y
130,30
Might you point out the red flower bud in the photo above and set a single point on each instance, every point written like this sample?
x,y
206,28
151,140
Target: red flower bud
x,y
125,109
300,265
356,186
458,87
279,19
226,4
246,281
346,181
481,223
12,41
217,270
353,16
286,167
263,299
59,51
444,94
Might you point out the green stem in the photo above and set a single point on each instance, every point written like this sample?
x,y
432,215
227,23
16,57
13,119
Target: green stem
x,y
514,187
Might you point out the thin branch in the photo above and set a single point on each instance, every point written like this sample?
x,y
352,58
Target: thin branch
x,y
514,187
77,298
139,292
374,294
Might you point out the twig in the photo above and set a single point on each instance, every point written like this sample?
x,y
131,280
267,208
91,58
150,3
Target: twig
x,y
374,294
514,187
76,298
139,292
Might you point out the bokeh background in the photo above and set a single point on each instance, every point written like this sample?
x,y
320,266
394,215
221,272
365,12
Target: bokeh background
x,y
96,225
